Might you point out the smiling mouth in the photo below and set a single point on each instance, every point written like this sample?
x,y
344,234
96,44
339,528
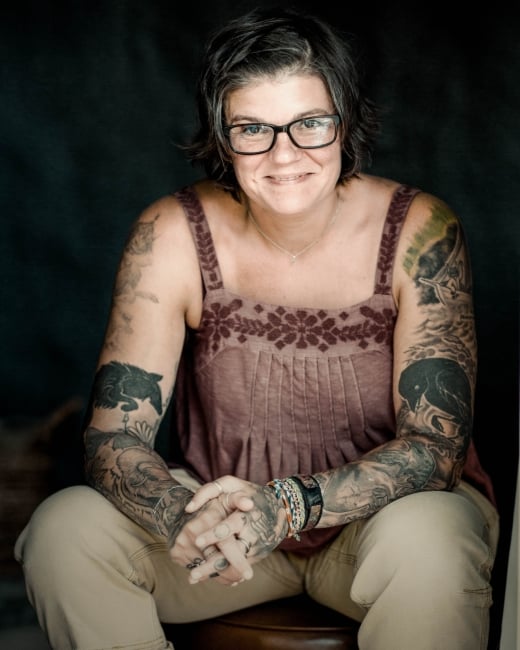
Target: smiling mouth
x,y
287,179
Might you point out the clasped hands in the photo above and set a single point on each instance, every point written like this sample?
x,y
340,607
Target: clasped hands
x,y
230,524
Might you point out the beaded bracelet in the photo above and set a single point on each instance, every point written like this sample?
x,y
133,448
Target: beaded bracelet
x,y
281,493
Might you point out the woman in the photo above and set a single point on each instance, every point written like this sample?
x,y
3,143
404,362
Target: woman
x,y
316,323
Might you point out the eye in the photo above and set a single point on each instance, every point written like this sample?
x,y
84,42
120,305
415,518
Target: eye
x,y
314,123
252,130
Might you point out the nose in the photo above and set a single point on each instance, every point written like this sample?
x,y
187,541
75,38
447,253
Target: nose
x,y
283,146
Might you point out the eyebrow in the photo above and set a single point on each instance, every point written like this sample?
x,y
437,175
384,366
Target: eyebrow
x,y
254,120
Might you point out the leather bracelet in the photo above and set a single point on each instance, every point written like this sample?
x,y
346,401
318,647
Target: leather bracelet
x,y
313,498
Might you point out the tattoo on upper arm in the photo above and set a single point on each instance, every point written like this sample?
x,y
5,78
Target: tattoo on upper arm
x,y
136,255
141,237
437,262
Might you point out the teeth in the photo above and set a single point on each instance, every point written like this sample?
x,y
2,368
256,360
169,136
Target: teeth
x,y
287,178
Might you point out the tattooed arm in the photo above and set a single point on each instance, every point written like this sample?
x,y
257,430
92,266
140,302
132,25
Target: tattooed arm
x,y
434,373
153,297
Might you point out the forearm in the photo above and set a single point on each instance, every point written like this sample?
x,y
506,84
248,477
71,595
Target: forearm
x,y
398,468
133,477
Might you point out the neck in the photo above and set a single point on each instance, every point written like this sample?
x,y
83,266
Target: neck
x,y
294,254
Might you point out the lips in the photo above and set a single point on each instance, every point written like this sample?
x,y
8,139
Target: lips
x,y
287,179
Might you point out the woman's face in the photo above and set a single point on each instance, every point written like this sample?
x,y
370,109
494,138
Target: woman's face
x,y
286,179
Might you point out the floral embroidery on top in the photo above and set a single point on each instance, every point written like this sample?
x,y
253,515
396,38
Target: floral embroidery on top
x,y
299,327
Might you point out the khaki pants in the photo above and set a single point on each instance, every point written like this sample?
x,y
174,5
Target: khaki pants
x,y
416,573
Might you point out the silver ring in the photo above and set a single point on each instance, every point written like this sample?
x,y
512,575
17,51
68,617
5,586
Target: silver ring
x,y
209,551
222,531
221,489
247,545
221,564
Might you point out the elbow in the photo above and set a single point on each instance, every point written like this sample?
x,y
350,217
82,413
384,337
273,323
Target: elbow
x,y
93,441
447,475
437,467
454,475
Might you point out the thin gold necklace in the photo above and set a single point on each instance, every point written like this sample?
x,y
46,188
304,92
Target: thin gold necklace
x,y
294,256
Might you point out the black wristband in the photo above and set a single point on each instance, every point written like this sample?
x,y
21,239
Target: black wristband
x,y
313,498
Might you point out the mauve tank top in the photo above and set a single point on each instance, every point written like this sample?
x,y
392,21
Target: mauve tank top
x,y
265,391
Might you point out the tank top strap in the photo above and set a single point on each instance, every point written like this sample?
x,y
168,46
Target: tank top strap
x,y
397,211
198,224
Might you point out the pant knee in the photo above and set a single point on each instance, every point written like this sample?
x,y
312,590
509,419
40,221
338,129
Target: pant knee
x,y
427,542
58,532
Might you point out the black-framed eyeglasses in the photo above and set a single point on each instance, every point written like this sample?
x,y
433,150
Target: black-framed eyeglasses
x,y
307,133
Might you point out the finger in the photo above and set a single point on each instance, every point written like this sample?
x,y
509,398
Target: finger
x,y
234,557
197,561
208,517
205,493
238,501
212,490
227,528
209,551
233,553
246,544
230,563
223,580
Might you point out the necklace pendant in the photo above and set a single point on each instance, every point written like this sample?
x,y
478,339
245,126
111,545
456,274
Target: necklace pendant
x,y
293,259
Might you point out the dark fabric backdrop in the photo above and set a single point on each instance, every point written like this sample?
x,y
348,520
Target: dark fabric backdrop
x,y
94,96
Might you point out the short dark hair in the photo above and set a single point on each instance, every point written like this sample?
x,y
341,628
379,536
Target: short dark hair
x,y
262,44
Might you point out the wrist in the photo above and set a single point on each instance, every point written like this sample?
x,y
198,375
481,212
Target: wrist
x,y
302,500
169,508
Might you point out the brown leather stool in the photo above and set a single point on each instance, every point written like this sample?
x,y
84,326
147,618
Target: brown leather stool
x,y
296,623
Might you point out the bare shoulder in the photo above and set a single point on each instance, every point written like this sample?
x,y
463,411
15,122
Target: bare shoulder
x,y
425,207
160,227
375,193
164,217
168,214
427,210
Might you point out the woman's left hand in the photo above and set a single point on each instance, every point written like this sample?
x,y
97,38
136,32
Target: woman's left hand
x,y
255,524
